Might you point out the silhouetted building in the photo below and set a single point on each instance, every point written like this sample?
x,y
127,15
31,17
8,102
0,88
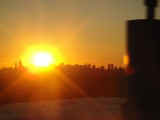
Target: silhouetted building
x,y
110,67
143,50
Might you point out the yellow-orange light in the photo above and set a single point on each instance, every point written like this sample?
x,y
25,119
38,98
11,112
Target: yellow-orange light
x,y
42,59
126,60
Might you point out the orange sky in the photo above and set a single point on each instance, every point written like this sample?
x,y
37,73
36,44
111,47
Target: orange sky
x,y
82,31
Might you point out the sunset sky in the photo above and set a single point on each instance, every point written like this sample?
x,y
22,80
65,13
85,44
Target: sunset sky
x,y
81,31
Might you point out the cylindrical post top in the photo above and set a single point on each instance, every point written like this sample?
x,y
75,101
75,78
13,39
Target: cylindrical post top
x,y
151,3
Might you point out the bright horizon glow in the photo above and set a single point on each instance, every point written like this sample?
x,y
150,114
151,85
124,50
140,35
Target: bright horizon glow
x,y
43,59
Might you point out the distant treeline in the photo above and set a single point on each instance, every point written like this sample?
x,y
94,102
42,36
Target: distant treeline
x,y
64,81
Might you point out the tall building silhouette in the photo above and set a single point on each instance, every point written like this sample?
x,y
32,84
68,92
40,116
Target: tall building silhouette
x,y
110,67
143,50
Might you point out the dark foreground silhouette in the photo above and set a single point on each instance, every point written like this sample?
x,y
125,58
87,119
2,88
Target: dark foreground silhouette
x,y
65,81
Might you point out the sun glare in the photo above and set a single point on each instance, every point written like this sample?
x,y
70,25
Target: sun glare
x,y
42,59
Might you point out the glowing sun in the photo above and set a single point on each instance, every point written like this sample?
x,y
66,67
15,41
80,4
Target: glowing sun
x,y
42,59
37,58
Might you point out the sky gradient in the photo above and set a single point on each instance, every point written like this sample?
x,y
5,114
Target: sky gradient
x,y
83,31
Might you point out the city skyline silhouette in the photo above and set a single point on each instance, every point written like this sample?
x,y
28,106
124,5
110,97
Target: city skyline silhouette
x,y
66,53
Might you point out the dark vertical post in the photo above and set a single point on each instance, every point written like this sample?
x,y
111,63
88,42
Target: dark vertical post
x,y
151,4
143,42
